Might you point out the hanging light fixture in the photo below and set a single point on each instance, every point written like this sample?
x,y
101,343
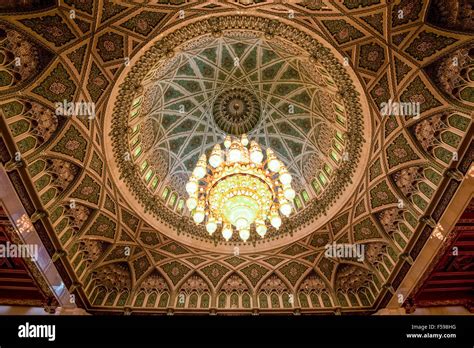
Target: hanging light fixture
x,y
239,189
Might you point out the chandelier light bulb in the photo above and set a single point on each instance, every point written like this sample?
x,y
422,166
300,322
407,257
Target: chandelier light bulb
x,y
275,221
211,225
244,234
227,232
285,208
200,170
289,193
273,162
192,186
235,153
198,216
256,155
261,229
191,203
285,177
215,159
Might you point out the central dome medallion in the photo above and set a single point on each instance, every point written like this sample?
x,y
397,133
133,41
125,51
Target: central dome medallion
x,y
236,111
232,75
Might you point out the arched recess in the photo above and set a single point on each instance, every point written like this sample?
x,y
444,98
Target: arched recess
x,y
32,125
274,293
194,293
115,279
68,221
234,293
53,178
85,253
453,75
382,258
22,59
441,134
313,292
152,292
399,224
355,286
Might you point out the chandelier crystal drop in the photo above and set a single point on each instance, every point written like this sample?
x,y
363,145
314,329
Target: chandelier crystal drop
x,y
237,189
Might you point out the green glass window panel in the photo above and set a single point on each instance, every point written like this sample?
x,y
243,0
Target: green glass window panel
x,y
135,129
305,195
234,300
165,193
314,300
387,262
382,270
287,303
140,299
326,300
172,200
338,108
193,300
122,299
399,240
150,302
205,299
262,299
327,169
222,300
303,300
316,186
111,298
148,175
180,205
275,300
137,151
180,300
246,300
24,145
363,298
163,300
340,119
322,179
134,113
136,102
298,203
342,299
154,183
135,141
100,297
81,269
353,299
66,236
77,260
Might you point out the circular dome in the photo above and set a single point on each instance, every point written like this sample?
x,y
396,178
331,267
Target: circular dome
x,y
236,111
234,74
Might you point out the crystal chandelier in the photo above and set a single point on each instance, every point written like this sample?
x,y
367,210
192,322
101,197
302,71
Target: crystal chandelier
x,y
239,189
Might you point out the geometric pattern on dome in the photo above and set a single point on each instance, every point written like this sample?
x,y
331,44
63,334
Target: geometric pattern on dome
x,y
236,111
287,102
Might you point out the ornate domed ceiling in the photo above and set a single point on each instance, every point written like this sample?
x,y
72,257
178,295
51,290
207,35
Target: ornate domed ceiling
x,y
226,76
169,78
